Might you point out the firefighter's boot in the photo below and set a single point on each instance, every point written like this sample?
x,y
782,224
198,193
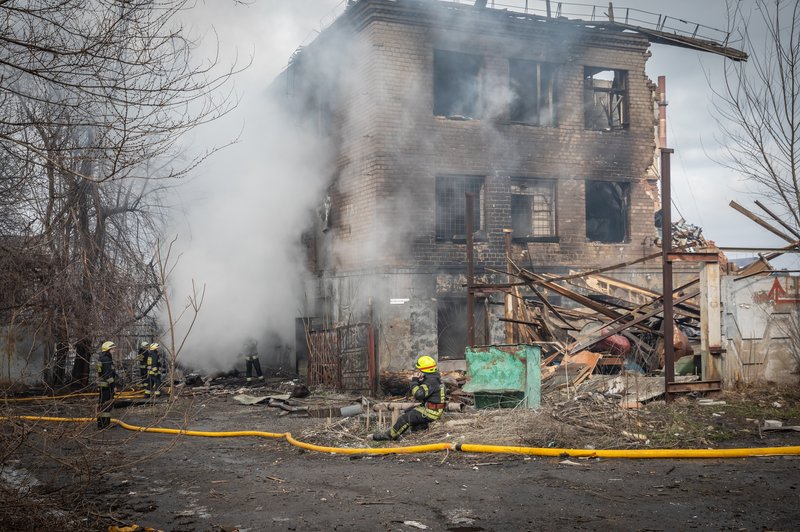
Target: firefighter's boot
x,y
382,436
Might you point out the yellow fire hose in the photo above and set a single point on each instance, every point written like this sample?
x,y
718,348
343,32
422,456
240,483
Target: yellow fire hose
x,y
463,447
127,394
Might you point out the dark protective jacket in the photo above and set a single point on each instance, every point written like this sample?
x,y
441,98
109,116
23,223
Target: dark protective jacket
x,y
154,362
105,370
250,349
431,393
141,357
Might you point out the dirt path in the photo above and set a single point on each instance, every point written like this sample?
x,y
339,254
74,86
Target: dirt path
x,y
187,483
208,485
214,484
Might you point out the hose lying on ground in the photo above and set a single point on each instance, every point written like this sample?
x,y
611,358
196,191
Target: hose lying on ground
x,y
127,394
463,447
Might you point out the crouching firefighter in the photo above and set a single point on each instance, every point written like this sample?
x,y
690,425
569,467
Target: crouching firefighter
x,y
154,364
427,388
105,383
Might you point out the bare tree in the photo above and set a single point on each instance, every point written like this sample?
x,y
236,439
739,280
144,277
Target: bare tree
x,y
759,103
95,97
175,340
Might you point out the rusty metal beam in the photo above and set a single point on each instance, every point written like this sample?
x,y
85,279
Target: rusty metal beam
x,y
586,343
578,298
468,222
666,271
693,43
760,221
693,257
777,219
601,270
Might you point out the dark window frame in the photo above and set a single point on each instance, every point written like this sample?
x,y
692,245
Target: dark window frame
x,y
457,84
451,311
540,78
526,190
606,102
601,194
450,198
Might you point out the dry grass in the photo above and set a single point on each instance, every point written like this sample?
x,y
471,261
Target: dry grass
x,y
589,420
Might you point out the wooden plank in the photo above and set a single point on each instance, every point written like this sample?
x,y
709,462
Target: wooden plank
x,y
757,219
533,381
710,320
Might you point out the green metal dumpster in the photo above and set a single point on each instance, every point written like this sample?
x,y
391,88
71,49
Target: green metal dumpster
x,y
503,376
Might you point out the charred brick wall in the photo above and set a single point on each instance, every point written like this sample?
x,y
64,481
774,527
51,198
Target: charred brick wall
x,y
391,148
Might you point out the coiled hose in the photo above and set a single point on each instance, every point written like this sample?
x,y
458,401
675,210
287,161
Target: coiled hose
x,y
463,447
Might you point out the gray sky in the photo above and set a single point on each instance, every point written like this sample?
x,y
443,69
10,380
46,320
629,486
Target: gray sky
x,y
239,218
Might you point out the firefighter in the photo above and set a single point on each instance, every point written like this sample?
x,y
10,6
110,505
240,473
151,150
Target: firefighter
x,y
154,364
141,357
105,383
250,353
427,388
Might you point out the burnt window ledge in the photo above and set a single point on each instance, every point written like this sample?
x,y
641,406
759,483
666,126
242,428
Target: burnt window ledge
x,y
528,124
457,118
620,129
462,239
538,239
601,243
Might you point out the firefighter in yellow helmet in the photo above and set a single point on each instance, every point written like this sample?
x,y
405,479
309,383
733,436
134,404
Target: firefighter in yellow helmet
x,y
105,383
154,364
427,388
141,358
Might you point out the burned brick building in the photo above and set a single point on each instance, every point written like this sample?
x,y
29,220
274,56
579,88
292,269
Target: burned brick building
x,y
549,123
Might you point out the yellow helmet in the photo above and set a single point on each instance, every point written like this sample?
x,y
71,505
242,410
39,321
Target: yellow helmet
x,y
426,364
107,345
153,346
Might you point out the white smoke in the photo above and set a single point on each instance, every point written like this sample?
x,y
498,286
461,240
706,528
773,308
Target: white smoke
x,y
238,221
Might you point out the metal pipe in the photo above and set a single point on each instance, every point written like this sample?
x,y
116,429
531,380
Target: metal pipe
x,y
468,222
372,360
451,406
666,248
662,111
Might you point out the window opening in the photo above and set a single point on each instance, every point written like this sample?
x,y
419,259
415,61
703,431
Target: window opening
x,y
451,324
605,98
456,84
533,211
607,206
533,88
451,203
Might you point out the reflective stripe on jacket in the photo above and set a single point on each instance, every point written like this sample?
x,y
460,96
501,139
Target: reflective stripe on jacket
x,y
427,391
105,370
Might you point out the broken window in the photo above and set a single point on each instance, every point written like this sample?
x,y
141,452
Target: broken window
x,y
533,209
456,84
451,326
451,205
532,87
607,205
605,98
